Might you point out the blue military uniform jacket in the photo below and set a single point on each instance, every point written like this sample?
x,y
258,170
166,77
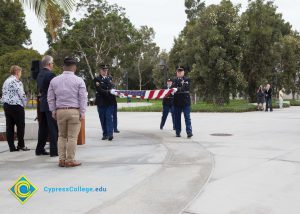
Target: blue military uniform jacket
x,y
43,80
182,96
103,85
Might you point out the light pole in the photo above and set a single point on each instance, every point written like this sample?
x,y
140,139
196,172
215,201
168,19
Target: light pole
x,y
162,64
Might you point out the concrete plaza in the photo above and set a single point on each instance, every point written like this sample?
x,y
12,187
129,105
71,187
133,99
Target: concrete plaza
x,y
149,171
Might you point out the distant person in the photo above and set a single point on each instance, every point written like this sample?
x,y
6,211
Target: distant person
x,y
260,98
47,124
14,100
182,102
268,95
67,102
167,106
280,95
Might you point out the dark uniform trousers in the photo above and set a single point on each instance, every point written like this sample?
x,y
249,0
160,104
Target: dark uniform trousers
x,y
115,117
167,108
182,104
106,104
106,119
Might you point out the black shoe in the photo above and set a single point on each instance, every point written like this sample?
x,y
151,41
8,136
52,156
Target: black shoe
x,y
104,138
174,129
24,149
110,138
14,150
117,131
189,135
178,135
42,153
53,155
161,128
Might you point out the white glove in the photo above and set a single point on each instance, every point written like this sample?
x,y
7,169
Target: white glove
x,y
113,91
174,91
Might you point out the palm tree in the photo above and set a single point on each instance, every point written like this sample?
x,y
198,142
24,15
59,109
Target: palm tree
x,y
50,12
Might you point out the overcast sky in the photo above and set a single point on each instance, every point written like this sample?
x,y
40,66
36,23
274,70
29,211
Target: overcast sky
x,y
167,17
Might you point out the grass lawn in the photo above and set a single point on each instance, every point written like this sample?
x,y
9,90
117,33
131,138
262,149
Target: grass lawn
x,y
233,106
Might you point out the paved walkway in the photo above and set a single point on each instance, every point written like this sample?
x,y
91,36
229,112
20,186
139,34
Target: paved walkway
x,y
146,170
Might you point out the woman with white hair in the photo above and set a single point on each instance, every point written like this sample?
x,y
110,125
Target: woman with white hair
x,y
14,100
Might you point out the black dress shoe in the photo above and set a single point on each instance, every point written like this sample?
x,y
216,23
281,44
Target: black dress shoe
x,y
104,138
54,155
117,131
178,135
110,138
24,149
189,135
14,150
41,153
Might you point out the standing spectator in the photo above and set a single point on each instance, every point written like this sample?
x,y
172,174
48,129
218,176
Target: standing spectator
x,y
182,102
67,102
14,99
167,107
260,98
47,124
280,95
105,100
268,94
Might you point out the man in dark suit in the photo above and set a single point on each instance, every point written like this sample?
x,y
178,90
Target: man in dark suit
x,y
182,102
105,100
268,93
47,125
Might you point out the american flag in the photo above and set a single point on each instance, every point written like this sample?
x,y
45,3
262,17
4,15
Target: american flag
x,y
145,94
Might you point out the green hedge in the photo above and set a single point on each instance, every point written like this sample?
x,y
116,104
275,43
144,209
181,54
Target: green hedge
x,y
233,106
295,102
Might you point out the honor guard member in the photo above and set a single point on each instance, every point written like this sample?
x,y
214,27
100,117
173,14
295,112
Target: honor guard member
x,y
105,97
182,102
167,106
115,112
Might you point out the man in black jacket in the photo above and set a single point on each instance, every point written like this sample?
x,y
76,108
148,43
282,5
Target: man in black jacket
x,y
105,100
167,106
46,122
182,102
268,93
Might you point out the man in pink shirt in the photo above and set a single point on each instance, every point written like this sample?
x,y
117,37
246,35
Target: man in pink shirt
x,y
67,101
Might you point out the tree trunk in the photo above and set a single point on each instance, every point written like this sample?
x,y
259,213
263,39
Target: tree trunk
x,y
140,72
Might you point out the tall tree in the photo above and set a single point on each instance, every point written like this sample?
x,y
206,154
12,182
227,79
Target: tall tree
x,y
49,12
22,58
290,63
14,32
263,28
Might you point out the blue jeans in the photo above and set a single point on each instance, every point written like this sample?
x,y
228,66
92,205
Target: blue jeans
x,y
177,117
106,119
115,117
165,113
